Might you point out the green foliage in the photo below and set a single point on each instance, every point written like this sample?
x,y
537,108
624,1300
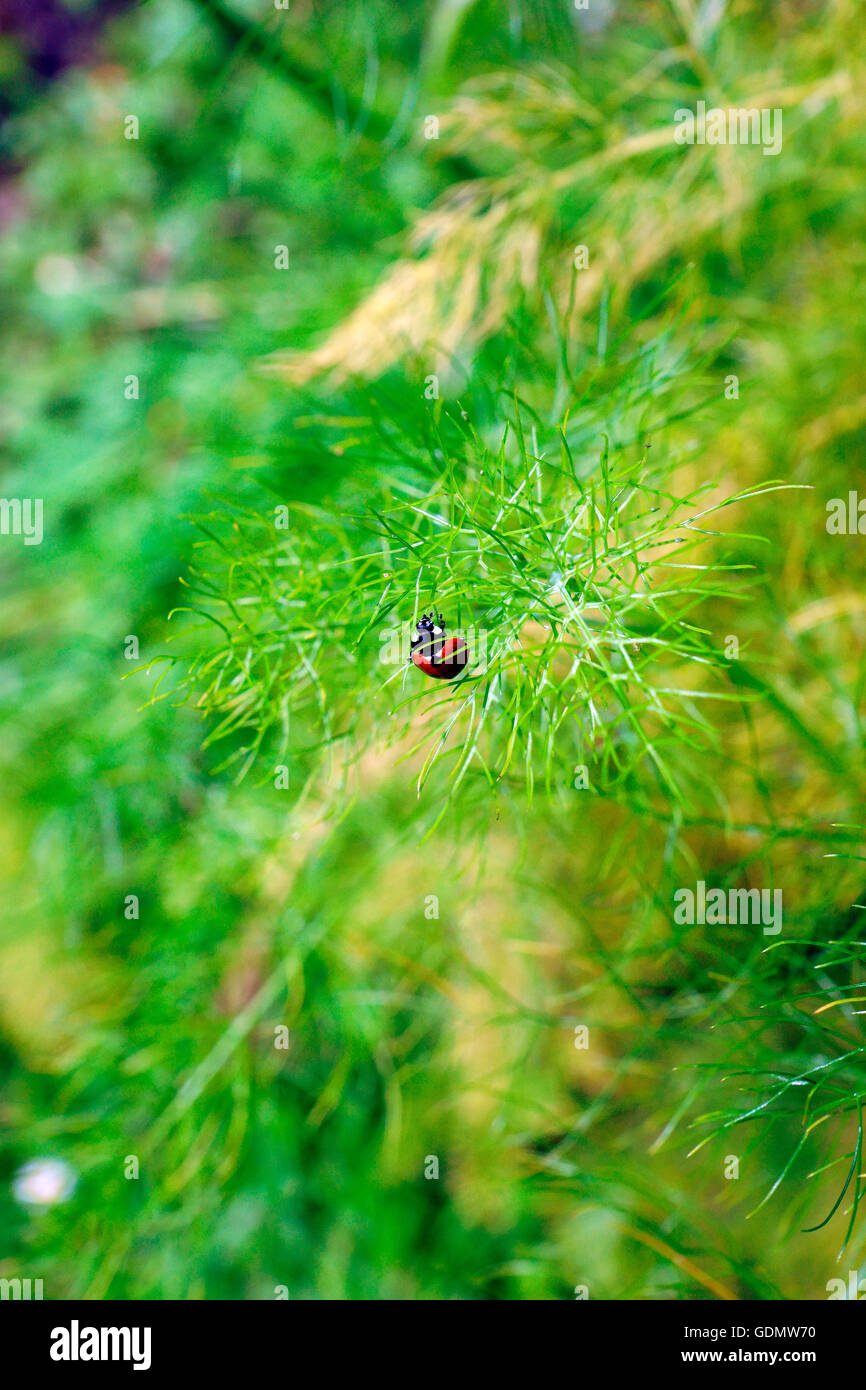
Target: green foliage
x,y
585,493
807,991
579,581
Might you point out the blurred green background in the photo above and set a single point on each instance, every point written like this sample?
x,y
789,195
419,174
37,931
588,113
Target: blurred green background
x,y
151,1036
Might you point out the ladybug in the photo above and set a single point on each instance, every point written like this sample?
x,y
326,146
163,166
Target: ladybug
x,y
436,654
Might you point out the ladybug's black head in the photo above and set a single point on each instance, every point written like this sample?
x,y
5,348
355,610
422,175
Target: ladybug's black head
x,y
434,623
428,626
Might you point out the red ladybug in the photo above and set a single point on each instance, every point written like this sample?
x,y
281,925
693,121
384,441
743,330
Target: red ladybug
x,y
435,654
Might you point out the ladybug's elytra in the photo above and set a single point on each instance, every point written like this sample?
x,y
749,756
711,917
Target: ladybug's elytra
x,y
436,654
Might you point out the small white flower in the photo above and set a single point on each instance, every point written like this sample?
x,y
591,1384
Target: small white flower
x,y
43,1182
